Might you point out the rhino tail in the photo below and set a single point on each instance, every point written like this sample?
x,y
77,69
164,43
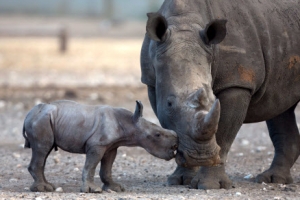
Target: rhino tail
x,y
27,143
51,124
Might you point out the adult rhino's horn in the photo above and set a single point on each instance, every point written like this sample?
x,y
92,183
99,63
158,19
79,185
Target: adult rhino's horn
x,y
156,26
207,124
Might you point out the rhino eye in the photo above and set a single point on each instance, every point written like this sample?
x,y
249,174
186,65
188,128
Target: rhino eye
x,y
170,104
157,134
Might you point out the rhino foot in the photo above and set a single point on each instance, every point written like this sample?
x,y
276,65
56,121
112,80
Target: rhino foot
x,y
182,176
114,187
211,178
42,187
90,188
275,176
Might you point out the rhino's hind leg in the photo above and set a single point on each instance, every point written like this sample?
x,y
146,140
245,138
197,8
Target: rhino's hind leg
x,y
93,157
182,176
37,167
42,139
105,172
284,134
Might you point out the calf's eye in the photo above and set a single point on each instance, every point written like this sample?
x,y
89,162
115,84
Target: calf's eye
x,y
157,134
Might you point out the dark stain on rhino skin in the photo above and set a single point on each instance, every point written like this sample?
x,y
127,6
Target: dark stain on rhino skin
x,y
293,61
246,74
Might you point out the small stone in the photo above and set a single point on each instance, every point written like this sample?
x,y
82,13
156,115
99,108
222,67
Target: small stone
x,y
56,160
260,148
38,198
110,191
238,194
245,142
59,189
13,180
26,188
277,198
94,96
124,155
248,176
207,191
16,155
263,183
264,189
76,169
2,104
239,154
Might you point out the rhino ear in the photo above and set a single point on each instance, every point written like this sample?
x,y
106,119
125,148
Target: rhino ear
x,y
214,32
138,111
156,26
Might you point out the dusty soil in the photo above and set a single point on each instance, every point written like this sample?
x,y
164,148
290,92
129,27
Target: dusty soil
x,y
106,71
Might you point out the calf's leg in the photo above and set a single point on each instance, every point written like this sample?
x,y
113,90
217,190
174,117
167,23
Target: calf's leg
x,y
105,172
42,139
284,134
93,157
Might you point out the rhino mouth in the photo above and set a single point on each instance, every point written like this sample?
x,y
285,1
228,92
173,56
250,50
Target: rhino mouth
x,y
203,155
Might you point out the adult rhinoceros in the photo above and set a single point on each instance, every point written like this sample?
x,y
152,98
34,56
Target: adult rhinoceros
x,y
211,66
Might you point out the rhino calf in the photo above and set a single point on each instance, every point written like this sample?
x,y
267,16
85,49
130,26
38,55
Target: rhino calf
x,y
96,131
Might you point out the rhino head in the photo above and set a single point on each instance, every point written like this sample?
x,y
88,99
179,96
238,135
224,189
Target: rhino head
x,y
176,60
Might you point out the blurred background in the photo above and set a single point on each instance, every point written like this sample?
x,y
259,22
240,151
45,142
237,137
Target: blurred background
x,y
83,50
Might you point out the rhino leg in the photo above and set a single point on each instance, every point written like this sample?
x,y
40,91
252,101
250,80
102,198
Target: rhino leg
x,y
41,148
105,172
182,176
284,134
93,157
234,106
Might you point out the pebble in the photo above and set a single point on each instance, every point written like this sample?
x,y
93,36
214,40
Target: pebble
x,y
13,180
238,194
277,198
2,104
16,155
260,148
248,176
245,142
38,198
59,189
76,169
111,191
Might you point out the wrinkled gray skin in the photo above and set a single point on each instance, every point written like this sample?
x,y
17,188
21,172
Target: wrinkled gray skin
x,y
211,66
96,131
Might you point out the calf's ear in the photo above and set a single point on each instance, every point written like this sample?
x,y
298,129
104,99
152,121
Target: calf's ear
x,y
138,111
214,32
156,26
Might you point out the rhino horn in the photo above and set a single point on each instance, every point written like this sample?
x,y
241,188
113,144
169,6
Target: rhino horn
x,y
138,111
207,123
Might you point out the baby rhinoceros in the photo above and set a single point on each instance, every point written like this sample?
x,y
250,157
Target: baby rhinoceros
x,y
96,131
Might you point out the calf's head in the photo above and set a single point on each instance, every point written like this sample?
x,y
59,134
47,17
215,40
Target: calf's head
x,y
176,60
158,141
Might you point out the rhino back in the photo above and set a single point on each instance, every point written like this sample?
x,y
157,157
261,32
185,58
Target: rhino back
x,y
260,53
77,126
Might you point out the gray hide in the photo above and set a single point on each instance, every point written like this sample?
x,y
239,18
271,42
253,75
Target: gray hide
x,y
211,66
96,131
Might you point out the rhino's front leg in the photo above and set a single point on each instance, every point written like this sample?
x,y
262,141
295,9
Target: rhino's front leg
x,y
105,172
93,157
234,106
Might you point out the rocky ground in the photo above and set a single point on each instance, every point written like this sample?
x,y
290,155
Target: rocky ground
x,y
106,71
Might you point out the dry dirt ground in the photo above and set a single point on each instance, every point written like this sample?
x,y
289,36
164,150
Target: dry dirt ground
x,y
106,71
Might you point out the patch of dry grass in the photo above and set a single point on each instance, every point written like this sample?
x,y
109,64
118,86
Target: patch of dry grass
x,y
86,58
